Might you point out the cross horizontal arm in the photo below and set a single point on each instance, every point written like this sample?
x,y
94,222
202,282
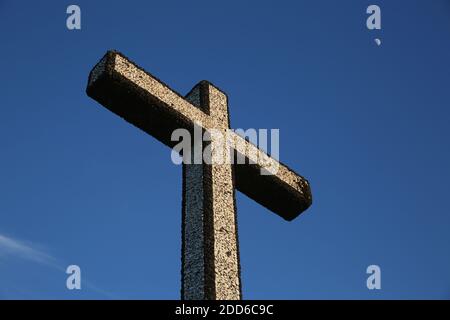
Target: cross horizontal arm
x,y
281,190
141,99
149,104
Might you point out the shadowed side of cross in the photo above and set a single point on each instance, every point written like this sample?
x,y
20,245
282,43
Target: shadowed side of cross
x,y
210,257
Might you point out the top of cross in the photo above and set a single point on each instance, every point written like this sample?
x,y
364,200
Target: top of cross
x,y
151,105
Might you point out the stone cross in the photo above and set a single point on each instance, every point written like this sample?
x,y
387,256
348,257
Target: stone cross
x,y
210,251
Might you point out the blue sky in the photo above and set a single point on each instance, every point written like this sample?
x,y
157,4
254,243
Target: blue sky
x,y
368,125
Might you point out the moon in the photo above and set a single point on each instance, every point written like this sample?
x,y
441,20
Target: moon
x,y
378,42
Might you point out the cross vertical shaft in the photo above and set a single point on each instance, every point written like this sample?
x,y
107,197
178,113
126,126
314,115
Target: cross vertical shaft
x,y
210,254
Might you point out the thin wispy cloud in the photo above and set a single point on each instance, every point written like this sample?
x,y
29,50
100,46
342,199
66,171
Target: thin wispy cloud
x,y
14,248
23,250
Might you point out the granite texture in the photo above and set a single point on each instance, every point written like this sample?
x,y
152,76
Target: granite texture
x,y
152,106
211,270
210,246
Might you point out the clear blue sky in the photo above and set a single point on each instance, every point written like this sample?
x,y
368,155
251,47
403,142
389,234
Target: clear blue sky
x,y
369,127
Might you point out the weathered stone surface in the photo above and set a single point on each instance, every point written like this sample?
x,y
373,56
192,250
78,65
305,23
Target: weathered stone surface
x,y
210,247
148,103
211,270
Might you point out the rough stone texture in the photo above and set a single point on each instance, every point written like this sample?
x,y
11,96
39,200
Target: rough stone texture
x,y
148,103
140,78
226,255
193,263
210,251
98,70
210,271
